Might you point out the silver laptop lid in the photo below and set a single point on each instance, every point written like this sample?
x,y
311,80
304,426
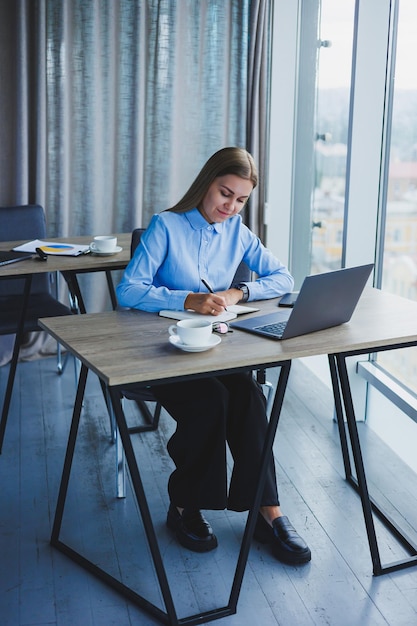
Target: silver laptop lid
x,y
325,300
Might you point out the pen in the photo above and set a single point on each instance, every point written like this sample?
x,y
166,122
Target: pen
x,y
205,283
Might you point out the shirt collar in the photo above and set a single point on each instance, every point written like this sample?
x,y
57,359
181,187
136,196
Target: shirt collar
x,y
198,222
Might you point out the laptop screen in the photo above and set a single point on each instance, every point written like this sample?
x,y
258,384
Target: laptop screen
x,y
324,300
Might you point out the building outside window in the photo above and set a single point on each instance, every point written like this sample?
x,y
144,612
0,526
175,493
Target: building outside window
x,y
334,68
399,210
399,236
349,123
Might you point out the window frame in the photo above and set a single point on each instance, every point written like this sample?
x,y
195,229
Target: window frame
x,y
368,151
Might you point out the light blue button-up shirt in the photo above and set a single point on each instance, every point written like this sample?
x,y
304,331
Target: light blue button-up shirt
x,y
177,250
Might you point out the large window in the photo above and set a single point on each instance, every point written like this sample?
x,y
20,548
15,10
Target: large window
x,y
322,69
399,235
343,171
331,133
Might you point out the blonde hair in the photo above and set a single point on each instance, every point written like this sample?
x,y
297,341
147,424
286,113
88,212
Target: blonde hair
x,y
231,160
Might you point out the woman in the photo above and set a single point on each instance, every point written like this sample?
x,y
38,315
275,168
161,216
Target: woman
x,y
203,237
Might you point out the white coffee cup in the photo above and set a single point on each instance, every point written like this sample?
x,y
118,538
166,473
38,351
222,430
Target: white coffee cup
x,y
192,332
104,243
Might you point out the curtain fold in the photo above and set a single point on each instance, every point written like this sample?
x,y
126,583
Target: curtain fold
x,y
140,94
258,110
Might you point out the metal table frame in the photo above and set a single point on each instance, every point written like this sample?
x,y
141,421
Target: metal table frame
x,y
15,355
170,615
342,390
344,408
70,268
364,337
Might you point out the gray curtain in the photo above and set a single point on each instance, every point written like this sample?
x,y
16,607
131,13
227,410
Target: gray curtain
x,y
258,110
109,108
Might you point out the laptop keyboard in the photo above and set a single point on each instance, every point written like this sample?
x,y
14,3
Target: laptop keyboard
x,y
276,330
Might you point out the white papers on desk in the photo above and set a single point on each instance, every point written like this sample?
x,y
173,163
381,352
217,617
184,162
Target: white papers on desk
x,y
232,312
56,248
188,314
242,309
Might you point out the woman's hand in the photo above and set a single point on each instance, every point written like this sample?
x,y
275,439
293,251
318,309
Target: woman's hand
x,y
212,303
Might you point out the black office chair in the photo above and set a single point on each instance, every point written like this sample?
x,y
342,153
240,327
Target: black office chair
x,y
143,396
30,294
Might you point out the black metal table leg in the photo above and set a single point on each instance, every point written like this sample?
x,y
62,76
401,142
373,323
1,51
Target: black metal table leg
x,y
143,507
340,416
71,279
59,511
75,290
358,460
112,291
360,483
15,357
253,513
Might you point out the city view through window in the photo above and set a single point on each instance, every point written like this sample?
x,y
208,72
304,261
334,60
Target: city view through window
x,y
399,274
400,242
332,121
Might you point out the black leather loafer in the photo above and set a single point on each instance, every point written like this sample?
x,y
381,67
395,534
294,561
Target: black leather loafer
x,y
191,529
286,544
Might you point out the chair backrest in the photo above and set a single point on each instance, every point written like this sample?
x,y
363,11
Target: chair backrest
x,y
136,235
24,222
243,273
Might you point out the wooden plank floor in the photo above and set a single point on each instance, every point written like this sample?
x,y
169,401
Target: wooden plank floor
x,y
39,585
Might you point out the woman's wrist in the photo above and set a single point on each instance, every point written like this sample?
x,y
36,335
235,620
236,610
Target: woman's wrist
x,y
244,290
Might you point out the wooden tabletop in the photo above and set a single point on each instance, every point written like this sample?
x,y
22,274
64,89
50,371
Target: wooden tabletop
x,y
82,263
125,347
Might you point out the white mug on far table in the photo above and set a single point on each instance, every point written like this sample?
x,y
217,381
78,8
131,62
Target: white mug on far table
x,y
192,332
104,243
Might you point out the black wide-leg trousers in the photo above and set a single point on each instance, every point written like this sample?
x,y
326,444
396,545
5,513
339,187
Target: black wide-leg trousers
x,y
210,412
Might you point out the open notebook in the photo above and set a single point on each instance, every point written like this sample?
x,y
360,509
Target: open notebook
x,y
58,249
232,312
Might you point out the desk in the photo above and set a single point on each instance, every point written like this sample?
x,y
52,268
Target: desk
x,y
69,267
131,347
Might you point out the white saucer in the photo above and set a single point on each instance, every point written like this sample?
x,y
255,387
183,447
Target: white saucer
x,y
115,251
214,341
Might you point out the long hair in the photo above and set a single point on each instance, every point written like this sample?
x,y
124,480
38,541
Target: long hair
x,y
225,161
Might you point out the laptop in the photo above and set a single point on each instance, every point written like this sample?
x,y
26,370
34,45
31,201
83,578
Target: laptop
x,y
324,300
11,256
